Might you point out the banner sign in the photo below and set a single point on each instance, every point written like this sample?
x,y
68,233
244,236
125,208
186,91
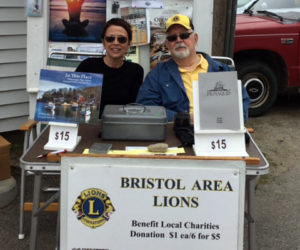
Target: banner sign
x,y
111,203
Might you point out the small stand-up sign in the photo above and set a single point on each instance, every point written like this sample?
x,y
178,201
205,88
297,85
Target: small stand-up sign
x,y
218,115
62,136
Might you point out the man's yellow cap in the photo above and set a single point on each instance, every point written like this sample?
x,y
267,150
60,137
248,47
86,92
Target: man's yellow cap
x,y
181,20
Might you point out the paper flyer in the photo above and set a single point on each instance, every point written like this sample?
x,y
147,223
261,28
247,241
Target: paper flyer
x,y
137,17
157,19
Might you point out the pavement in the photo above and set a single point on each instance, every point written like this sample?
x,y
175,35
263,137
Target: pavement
x,y
9,220
278,213
277,195
278,201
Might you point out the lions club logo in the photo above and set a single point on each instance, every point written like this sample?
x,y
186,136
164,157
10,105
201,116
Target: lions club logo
x,y
176,18
93,207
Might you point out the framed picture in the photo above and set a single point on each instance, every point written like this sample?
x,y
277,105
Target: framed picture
x,y
34,8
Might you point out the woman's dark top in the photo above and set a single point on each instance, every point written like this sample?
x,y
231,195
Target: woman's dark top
x,y
120,86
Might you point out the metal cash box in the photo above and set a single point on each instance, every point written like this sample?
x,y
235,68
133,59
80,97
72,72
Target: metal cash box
x,y
134,122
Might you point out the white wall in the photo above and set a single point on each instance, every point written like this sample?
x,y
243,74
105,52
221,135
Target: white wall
x,y
37,50
14,100
203,23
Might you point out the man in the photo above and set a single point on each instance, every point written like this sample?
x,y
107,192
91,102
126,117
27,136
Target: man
x,y
169,84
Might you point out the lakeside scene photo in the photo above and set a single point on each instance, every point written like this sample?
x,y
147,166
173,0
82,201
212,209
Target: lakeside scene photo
x,y
71,97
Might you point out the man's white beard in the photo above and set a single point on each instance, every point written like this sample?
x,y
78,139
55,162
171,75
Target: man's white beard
x,y
181,54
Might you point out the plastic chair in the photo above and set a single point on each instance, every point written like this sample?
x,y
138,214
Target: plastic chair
x,y
164,56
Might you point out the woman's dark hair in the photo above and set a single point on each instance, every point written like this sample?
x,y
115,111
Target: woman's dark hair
x,y
118,22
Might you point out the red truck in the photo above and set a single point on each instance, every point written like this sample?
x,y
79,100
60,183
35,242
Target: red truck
x,y
266,50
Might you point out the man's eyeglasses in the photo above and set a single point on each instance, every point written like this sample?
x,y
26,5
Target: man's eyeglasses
x,y
182,36
121,39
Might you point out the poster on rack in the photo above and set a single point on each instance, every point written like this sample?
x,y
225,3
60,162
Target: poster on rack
x,y
148,4
158,18
70,97
57,50
76,20
137,17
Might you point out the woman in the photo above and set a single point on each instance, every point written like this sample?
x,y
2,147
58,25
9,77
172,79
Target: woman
x,y
121,79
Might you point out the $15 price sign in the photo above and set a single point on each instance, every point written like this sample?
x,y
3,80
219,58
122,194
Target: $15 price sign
x,y
219,144
62,136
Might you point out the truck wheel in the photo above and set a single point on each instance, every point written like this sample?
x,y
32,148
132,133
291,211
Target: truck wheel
x,y
261,84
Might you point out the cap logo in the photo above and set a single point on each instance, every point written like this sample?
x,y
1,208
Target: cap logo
x,y
176,18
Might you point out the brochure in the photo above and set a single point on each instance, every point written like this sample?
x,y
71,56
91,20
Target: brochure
x,y
219,101
71,97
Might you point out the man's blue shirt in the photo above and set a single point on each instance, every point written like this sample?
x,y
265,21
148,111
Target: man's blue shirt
x,y
163,86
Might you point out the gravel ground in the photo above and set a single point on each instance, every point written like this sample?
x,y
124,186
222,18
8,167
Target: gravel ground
x,y
277,134
278,205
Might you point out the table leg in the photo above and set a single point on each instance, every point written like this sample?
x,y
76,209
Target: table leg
x,y
21,235
35,208
22,199
57,247
251,212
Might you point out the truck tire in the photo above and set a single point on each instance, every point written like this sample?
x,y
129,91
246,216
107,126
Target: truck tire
x,y
261,84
